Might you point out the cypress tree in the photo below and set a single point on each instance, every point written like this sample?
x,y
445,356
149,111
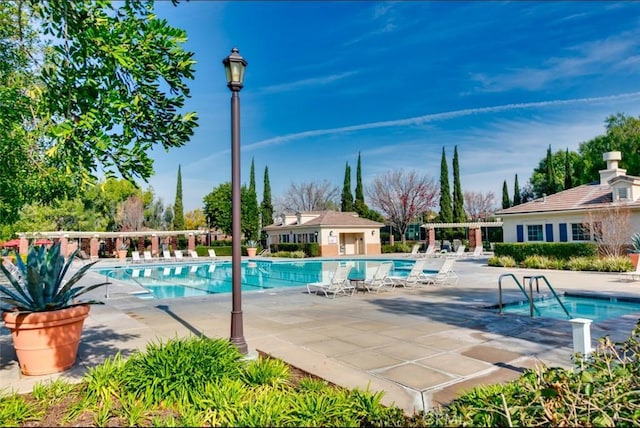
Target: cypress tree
x,y
359,206
568,179
459,216
506,203
446,213
347,197
550,174
517,199
178,208
266,206
252,204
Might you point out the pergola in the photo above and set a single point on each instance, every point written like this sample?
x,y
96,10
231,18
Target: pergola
x,y
113,240
475,238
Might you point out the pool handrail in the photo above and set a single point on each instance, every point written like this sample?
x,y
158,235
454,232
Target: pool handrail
x,y
530,295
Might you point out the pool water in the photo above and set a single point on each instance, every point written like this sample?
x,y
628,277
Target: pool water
x,y
594,308
187,280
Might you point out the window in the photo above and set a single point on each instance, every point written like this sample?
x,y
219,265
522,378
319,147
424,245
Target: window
x,y
623,193
580,232
534,232
284,238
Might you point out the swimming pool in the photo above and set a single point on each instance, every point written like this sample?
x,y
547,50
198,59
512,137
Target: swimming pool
x,y
596,308
199,279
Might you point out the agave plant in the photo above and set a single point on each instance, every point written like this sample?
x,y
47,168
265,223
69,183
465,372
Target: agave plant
x,y
635,243
39,285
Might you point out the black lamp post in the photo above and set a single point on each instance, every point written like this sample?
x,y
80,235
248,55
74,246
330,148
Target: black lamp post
x,y
234,66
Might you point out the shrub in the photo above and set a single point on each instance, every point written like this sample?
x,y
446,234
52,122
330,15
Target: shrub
x,y
538,262
175,371
614,264
559,250
502,261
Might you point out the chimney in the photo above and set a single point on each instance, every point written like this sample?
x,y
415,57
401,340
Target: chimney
x,y
612,159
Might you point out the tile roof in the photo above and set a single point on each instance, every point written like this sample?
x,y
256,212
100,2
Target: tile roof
x,y
586,196
333,219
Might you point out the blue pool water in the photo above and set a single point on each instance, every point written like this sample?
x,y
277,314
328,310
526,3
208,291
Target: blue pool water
x,y
594,308
186,280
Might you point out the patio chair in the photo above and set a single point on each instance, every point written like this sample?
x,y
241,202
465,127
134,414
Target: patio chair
x,y
444,274
166,254
477,252
413,278
135,257
178,254
414,251
339,283
380,278
212,253
630,276
147,256
430,252
193,254
458,253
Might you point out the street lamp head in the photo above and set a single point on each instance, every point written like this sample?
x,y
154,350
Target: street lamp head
x,y
234,66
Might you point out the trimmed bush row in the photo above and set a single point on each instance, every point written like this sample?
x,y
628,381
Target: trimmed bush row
x,y
604,264
557,250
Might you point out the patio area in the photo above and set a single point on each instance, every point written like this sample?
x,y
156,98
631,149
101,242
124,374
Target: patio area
x,y
421,346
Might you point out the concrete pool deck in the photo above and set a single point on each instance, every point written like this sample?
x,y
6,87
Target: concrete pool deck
x,y
422,346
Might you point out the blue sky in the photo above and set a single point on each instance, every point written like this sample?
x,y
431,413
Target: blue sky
x,y
397,82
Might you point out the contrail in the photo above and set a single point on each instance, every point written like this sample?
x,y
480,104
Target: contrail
x,y
432,118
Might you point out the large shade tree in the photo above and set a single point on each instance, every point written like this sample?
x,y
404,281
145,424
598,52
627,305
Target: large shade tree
x,y
86,86
309,196
402,197
217,210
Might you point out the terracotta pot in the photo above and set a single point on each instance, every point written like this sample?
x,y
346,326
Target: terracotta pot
x,y
634,259
46,342
251,251
122,254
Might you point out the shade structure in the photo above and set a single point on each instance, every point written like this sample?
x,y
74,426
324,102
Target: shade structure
x,y
13,243
42,241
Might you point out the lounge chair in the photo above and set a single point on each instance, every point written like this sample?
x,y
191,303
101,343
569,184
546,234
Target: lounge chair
x,y
178,254
135,257
477,252
458,253
412,278
338,284
444,274
414,251
147,256
193,254
212,253
380,278
430,252
166,254
630,276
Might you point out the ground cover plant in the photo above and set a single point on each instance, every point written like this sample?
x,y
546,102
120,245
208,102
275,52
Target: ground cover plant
x,y
597,264
178,383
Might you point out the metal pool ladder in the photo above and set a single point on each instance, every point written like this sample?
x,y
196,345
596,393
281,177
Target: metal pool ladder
x,y
529,295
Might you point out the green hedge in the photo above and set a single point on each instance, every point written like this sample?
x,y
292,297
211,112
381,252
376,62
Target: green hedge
x,y
309,249
558,250
203,251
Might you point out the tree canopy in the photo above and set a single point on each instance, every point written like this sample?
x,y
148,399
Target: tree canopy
x,y
86,86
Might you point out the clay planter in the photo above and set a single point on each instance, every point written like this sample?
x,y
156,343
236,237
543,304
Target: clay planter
x,y
122,254
251,251
634,259
46,342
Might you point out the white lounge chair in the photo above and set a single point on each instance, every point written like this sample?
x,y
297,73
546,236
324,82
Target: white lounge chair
x,y
412,278
193,254
135,257
147,256
166,254
380,278
630,276
458,253
212,253
178,254
339,283
477,252
444,274
414,251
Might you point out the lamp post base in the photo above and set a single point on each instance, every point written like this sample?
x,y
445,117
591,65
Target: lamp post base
x,y
237,336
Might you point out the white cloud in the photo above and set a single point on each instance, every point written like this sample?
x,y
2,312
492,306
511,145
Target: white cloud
x,y
313,81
